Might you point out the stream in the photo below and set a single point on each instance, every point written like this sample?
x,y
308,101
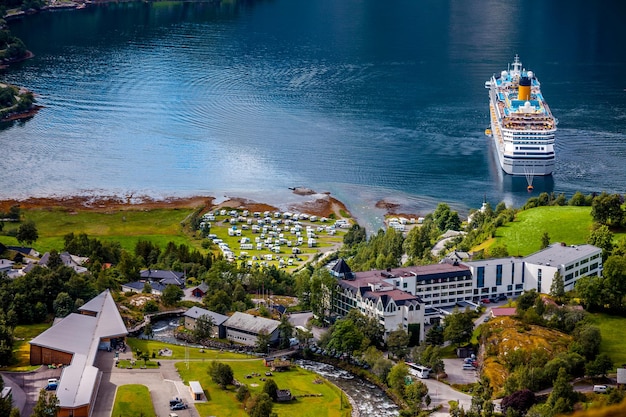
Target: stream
x,y
369,400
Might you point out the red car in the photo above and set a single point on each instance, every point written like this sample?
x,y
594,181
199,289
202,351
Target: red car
x,y
485,301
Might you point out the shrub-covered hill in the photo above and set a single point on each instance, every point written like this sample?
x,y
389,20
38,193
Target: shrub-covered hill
x,y
507,343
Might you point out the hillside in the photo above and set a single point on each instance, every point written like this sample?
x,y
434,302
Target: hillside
x,y
505,335
569,224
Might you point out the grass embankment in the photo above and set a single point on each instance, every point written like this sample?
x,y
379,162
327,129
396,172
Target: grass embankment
x,y
508,335
569,224
133,400
23,334
159,226
613,331
325,399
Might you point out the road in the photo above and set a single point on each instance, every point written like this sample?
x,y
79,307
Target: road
x,y
441,394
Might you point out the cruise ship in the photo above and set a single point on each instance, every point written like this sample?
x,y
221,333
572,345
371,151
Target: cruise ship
x,y
522,125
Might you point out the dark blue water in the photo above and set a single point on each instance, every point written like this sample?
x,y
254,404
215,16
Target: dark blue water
x,y
366,99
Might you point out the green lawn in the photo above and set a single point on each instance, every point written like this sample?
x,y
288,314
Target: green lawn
x,y
522,237
127,227
133,400
331,402
178,351
21,348
613,330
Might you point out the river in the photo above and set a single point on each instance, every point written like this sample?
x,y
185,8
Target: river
x,y
369,399
365,99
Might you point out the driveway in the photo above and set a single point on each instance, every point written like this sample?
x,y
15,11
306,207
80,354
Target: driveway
x,y
164,383
26,386
441,394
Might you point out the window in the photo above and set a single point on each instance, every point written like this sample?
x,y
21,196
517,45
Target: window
x,y
480,276
512,273
498,274
509,288
405,284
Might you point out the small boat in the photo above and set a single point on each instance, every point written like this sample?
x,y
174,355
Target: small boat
x,y
488,132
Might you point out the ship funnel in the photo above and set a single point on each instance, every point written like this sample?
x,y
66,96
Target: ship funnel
x,y
523,92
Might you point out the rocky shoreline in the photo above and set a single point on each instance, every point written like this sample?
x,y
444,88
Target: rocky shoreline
x,y
321,205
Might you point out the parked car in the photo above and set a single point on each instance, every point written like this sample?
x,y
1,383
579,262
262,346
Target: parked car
x,y
493,300
600,389
175,401
502,297
486,319
485,301
468,367
178,406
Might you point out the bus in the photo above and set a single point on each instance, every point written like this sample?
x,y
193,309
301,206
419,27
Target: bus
x,y
420,371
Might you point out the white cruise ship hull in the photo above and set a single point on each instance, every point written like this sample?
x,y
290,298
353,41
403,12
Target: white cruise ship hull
x,y
522,126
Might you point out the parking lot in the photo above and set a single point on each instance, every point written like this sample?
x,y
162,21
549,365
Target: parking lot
x,y
456,373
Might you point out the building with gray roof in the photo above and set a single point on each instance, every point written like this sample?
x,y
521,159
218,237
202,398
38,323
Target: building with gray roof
x,y
245,328
194,313
74,342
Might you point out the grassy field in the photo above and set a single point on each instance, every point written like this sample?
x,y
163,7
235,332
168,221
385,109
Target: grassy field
x,y
522,237
326,400
127,227
613,330
178,351
162,226
133,400
21,348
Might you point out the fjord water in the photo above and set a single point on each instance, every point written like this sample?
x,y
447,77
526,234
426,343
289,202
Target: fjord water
x,y
366,99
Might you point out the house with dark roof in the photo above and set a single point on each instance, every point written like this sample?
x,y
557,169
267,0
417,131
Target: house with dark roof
x,y
194,313
163,276
74,342
341,270
138,286
245,328
24,250
158,280
72,261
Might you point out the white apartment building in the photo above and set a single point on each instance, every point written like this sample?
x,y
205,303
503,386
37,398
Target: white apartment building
x,y
512,276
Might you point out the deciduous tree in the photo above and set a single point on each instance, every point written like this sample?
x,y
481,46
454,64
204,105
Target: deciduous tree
x,y
27,233
397,377
204,327
398,343
458,327
270,388
172,294
260,406
221,374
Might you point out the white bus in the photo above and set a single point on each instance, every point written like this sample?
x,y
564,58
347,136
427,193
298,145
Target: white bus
x,y
419,371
